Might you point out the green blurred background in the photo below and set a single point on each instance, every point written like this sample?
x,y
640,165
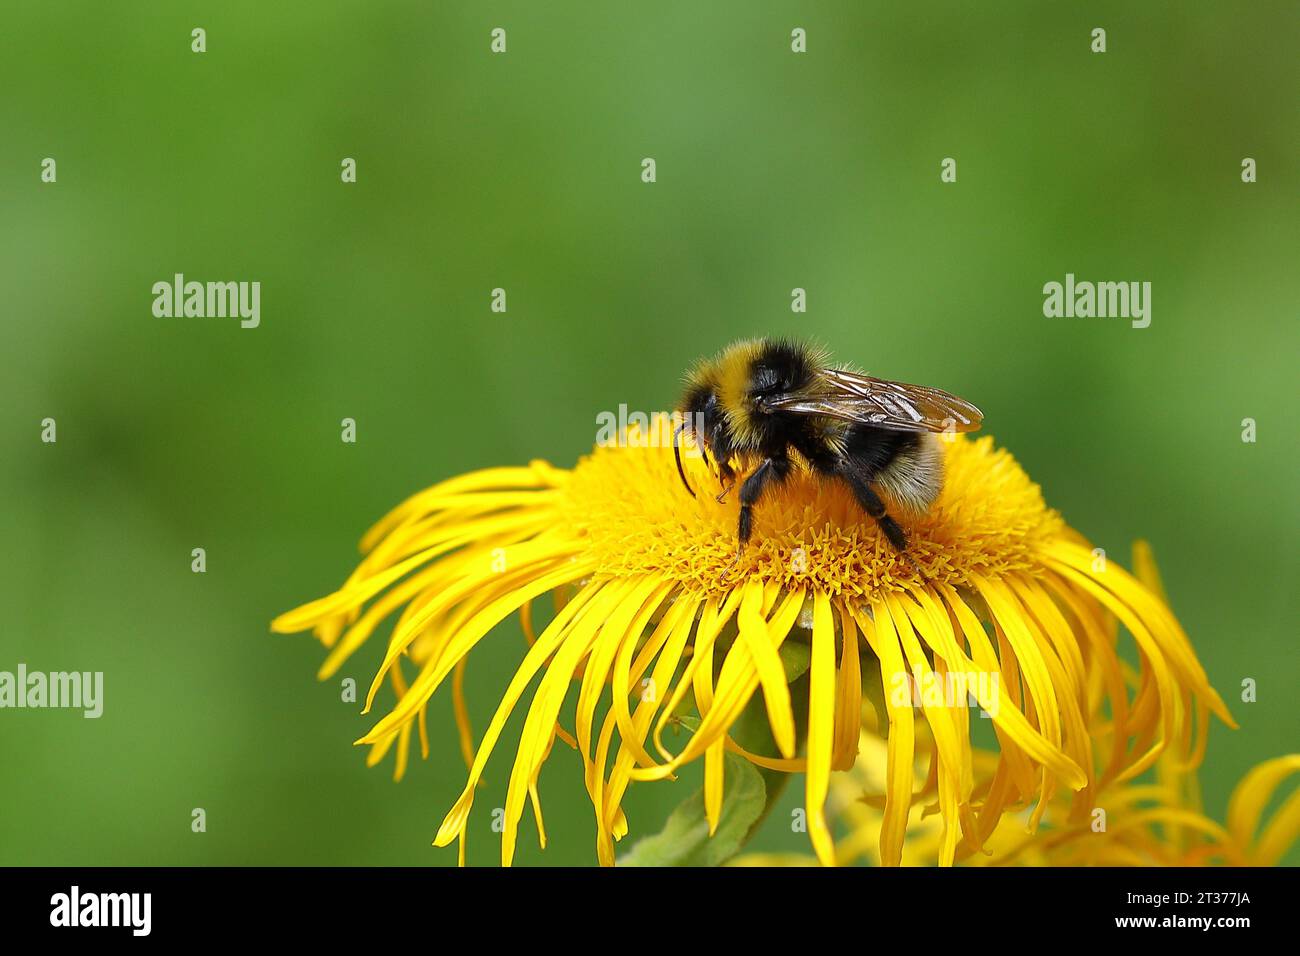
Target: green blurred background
x,y
522,170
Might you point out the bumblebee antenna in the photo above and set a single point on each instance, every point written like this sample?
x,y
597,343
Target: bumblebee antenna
x,y
677,453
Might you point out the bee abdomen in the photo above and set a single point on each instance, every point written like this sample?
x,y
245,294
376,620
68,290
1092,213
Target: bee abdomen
x,y
913,475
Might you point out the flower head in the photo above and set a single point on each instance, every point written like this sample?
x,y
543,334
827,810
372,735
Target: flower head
x,y
996,596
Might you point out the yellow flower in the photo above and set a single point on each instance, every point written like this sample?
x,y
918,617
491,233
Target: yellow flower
x,y
1159,823
1152,824
1156,823
649,594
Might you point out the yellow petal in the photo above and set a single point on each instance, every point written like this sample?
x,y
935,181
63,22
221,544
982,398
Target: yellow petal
x,y
898,793
821,726
767,663
1252,795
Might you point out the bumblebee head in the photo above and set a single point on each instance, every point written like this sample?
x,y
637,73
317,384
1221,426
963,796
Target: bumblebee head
x,y
726,399
703,417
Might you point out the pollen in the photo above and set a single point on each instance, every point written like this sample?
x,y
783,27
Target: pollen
x,y
634,516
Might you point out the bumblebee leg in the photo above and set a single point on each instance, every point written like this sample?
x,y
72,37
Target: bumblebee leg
x,y
772,470
727,478
873,506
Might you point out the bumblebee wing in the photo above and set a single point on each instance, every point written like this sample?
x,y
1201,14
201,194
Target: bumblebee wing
x,y
853,397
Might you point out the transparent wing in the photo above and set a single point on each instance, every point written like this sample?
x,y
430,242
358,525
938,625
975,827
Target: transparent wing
x,y
852,397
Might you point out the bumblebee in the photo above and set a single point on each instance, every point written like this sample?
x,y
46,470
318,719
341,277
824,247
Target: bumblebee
x,y
763,405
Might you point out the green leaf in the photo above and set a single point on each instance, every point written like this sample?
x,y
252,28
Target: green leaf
x,y
796,657
685,840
